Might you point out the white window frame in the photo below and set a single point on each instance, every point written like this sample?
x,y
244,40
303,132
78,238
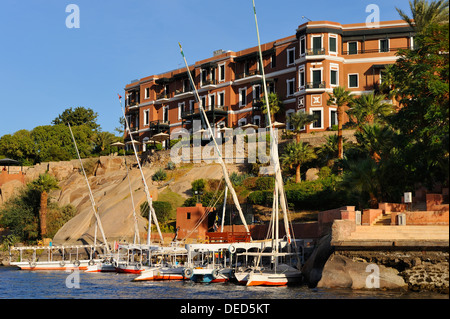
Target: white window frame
x,y
331,110
335,36
301,69
220,80
257,117
302,54
379,45
210,105
288,124
191,105
348,47
288,85
317,36
254,91
166,107
334,67
147,93
218,98
348,81
242,122
311,74
201,76
287,56
241,103
181,106
311,110
146,116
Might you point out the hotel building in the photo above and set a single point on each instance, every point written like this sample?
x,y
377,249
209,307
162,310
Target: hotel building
x,y
302,69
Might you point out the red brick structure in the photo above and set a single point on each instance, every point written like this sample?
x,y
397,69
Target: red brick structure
x,y
188,218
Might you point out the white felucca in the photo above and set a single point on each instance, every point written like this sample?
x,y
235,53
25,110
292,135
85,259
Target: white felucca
x,y
279,273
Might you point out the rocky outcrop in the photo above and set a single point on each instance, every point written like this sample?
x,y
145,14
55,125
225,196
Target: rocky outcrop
x,y
428,276
343,272
313,267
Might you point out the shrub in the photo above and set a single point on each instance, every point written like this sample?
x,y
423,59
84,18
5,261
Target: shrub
x,y
265,183
171,166
160,175
162,210
198,185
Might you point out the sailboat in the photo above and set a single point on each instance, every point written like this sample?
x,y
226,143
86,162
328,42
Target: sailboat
x,y
279,273
57,255
212,262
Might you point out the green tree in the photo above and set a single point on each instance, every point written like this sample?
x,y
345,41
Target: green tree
x,y
275,105
77,117
425,13
370,108
19,146
43,185
422,121
297,154
299,120
340,98
198,185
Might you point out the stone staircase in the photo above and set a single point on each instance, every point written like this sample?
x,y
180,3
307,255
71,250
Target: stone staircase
x,y
383,220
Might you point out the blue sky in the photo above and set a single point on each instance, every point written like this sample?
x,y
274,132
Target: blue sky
x,y
46,67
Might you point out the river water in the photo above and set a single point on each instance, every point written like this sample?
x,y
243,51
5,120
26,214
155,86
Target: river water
x,y
24,284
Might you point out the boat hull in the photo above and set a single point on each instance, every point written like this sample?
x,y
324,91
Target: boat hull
x,y
273,279
206,275
162,273
101,267
52,265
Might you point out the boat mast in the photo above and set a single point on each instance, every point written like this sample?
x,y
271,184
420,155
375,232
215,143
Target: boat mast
x,y
94,209
151,212
274,139
224,208
219,153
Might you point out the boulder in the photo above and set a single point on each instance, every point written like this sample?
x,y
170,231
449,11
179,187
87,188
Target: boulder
x,y
343,272
312,174
312,269
9,189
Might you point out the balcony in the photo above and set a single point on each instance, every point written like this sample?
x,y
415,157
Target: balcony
x,y
315,51
161,98
316,85
381,50
184,91
209,84
250,76
209,110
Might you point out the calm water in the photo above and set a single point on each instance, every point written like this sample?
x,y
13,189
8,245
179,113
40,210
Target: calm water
x,y
22,284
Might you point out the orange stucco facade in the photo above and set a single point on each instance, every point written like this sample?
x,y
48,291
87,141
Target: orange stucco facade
x,y
302,69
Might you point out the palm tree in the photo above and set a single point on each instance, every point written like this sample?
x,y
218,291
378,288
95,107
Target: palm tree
x,y
329,150
297,154
44,184
376,139
298,120
340,98
370,108
425,13
275,105
362,176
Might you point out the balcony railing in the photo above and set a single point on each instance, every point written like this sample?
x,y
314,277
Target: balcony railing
x,y
317,51
162,96
364,51
248,74
316,85
209,82
208,108
178,92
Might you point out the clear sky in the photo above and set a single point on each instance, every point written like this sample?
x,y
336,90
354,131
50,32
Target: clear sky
x,y
46,67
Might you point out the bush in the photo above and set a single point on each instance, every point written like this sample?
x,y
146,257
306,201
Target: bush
x,y
162,210
198,185
265,183
171,166
160,175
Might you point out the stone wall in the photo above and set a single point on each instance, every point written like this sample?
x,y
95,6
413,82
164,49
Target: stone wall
x,y
423,218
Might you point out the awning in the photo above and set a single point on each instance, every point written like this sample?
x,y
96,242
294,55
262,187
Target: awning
x,y
9,162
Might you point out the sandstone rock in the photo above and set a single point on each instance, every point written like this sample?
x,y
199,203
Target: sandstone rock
x,y
343,272
312,174
312,269
9,189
